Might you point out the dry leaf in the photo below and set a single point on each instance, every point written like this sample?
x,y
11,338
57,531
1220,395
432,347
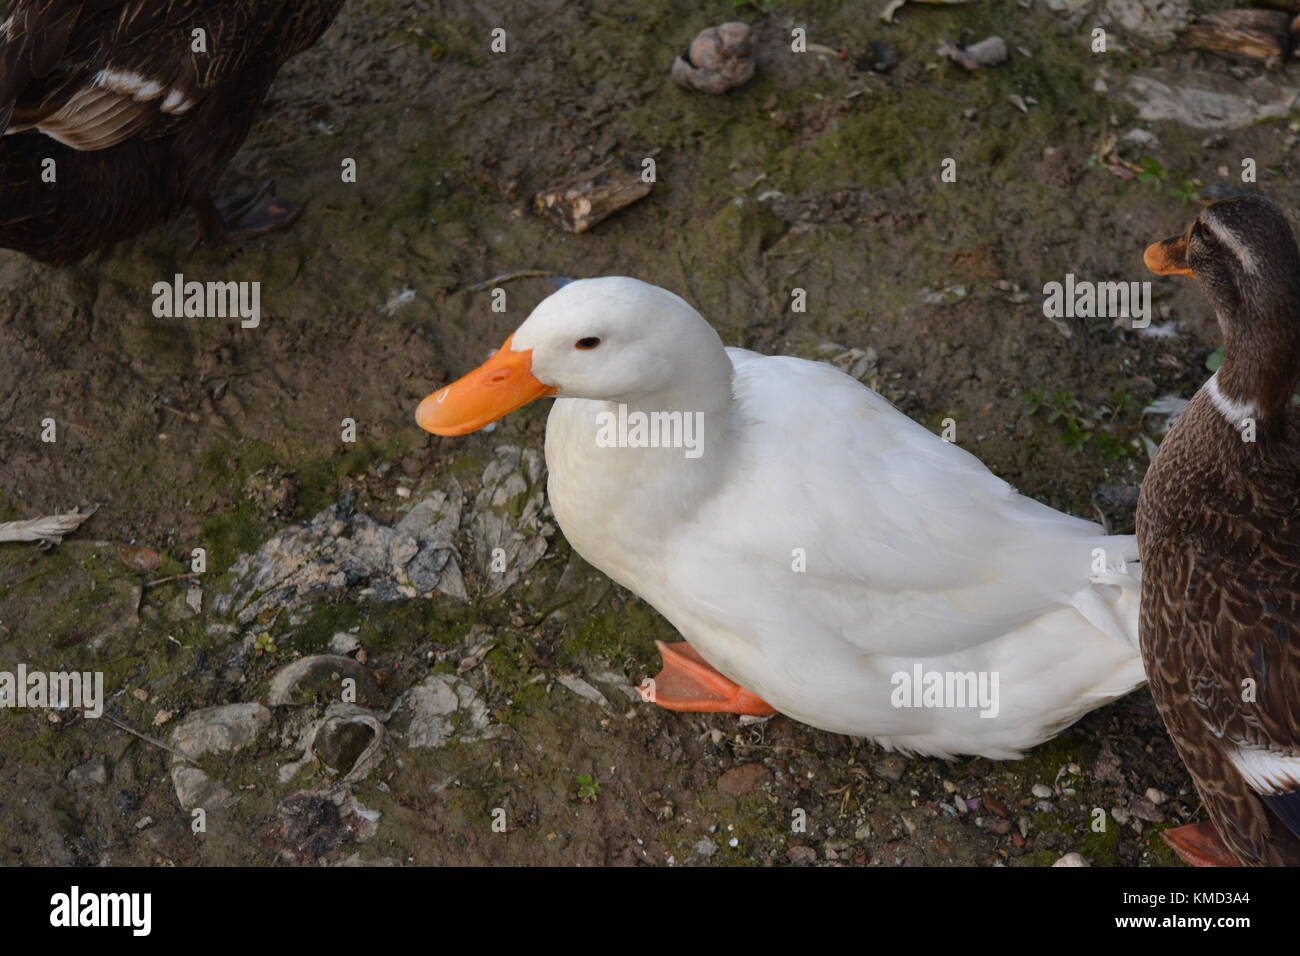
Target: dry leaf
x,y
139,558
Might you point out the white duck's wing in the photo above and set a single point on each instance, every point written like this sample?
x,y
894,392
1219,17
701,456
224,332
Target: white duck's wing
x,y
911,545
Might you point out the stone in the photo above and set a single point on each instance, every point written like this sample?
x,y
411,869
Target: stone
x,y
1204,100
212,730
322,675
340,549
742,780
443,707
93,771
719,59
1072,859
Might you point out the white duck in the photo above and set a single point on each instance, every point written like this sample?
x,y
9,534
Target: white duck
x,y
813,544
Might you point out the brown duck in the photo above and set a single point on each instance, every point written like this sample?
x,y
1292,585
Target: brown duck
x,y
1218,528
118,114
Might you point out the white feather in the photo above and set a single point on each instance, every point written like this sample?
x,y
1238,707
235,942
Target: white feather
x,y
1267,772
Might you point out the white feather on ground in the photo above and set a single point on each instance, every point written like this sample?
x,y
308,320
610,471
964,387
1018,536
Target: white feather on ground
x,y
50,529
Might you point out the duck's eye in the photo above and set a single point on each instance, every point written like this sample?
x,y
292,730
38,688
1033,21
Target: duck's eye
x,y
590,342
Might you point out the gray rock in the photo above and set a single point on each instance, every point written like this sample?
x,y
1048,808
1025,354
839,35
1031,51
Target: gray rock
x,y
348,741
1205,100
340,549
618,682
1072,859
322,674
1141,138
344,643
891,767
1154,21
506,526
1072,11
582,689
988,52
442,707
213,730
93,771
1146,810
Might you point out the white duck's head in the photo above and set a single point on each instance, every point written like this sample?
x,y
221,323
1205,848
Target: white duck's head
x,y
611,339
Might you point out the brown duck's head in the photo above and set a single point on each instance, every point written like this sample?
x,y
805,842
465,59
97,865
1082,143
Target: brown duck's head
x,y
1243,253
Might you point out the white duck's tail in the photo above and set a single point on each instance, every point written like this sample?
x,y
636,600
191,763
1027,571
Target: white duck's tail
x,y
1112,601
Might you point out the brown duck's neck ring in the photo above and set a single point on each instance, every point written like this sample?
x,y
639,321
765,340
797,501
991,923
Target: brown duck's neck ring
x,y
1236,412
1261,365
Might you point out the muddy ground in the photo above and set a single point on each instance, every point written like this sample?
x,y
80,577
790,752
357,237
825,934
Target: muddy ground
x,y
511,705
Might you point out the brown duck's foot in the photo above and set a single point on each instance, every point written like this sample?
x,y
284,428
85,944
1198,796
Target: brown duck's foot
x,y
1199,844
244,217
687,683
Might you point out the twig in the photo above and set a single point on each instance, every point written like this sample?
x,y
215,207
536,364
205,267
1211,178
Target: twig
x,y
504,278
147,739
174,577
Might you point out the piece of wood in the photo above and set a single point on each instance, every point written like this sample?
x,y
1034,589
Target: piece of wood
x,y
582,200
1258,34
49,530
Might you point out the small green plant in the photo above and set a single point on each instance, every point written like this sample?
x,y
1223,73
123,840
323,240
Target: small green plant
x,y
264,644
588,788
1152,171
1189,191
1079,432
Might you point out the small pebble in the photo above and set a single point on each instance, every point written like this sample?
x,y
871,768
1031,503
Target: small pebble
x,y
801,855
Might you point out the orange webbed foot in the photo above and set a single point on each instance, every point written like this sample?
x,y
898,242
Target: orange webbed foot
x,y
1199,844
687,683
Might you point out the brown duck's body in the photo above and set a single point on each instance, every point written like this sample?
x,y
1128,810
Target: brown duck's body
x,y
139,124
1219,534
1218,529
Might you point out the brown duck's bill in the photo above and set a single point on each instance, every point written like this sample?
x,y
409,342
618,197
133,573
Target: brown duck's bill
x,y
496,388
1168,257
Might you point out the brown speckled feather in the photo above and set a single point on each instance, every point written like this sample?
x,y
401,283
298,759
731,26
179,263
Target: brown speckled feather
x,y
121,80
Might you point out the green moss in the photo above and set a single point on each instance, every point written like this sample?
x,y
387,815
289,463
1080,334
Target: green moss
x,y
236,530
759,827
630,630
313,635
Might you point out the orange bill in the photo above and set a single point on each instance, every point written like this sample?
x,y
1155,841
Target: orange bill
x,y
496,388
1168,257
